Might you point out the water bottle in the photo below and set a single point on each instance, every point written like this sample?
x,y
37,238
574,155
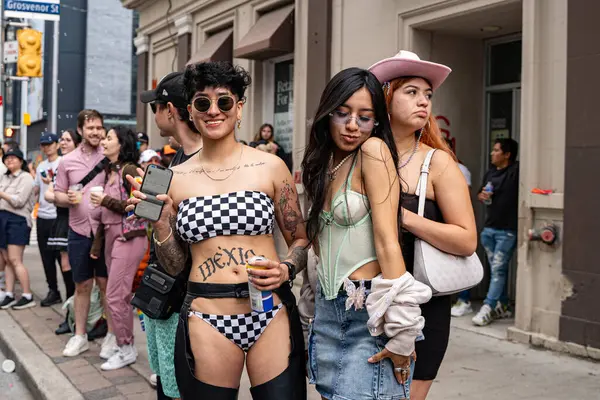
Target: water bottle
x,y
489,188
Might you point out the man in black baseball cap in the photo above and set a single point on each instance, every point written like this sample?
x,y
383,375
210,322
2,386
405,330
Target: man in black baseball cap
x,y
169,105
170,89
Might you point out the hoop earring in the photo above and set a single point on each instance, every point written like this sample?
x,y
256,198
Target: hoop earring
x,y
239,124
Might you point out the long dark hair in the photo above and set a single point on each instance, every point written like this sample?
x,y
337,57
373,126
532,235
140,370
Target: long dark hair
x,y
75,136
258,135
320,145
129,152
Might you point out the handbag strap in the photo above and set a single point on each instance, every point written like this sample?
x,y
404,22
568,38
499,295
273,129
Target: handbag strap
x,y
95,171
422,186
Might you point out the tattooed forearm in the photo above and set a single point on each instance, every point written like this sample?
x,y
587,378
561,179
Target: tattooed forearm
x,y
298,255
172,254
225,258
289,214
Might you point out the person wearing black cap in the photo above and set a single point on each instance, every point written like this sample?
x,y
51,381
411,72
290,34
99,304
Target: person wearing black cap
x,y
46,218
169,105
16,205
142,141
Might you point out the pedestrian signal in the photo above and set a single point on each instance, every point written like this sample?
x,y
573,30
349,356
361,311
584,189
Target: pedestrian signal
x,y
29,61
9,132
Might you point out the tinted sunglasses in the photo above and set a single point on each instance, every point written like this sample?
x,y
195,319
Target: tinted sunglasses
x,y
225,103
153,106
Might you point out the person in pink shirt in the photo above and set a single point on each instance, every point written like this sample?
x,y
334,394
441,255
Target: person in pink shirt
x,y
78,172
125,244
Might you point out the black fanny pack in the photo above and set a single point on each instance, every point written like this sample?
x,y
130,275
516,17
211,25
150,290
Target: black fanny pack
x,y
160,294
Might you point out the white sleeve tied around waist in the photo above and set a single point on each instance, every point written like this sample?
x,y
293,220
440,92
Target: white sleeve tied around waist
x,y
393,307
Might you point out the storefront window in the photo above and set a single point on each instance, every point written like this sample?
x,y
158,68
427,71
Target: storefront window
x,y
284,105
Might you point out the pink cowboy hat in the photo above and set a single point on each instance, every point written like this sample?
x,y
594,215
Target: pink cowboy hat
x,y
407,63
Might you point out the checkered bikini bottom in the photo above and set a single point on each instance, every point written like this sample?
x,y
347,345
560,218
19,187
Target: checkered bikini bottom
x,y
242,329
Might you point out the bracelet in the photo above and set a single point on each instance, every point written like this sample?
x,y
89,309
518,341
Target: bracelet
x,y
162,242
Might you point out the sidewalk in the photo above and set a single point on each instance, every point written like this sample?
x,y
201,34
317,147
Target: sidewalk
x,y
479,364
83,371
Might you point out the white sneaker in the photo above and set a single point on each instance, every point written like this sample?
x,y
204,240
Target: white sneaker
x,y
109,346
461,308
484,316
126,355
76,345
153,380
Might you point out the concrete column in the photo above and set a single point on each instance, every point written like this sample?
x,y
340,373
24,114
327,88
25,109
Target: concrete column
x,y
141,44
580,319
184,40
312,66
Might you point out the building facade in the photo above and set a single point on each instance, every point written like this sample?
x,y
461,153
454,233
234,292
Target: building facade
x,y
96,69
519,70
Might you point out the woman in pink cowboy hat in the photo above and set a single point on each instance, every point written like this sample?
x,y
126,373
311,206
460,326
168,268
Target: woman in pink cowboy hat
x,y
448,222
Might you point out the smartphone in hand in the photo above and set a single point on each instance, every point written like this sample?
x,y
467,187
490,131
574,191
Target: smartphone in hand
x,y
157,180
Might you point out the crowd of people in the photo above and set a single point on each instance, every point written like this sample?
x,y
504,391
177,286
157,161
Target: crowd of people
x,y
363,327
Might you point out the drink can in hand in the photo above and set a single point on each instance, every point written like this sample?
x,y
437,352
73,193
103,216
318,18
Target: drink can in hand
x,y
260,300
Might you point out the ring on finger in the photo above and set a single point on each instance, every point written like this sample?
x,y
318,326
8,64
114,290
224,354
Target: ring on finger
x,y
401,370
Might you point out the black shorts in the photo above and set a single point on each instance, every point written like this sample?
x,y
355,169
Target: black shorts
x,y
431,351
13,230
82,265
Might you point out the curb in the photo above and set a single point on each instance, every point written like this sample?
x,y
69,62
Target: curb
x,y
41,376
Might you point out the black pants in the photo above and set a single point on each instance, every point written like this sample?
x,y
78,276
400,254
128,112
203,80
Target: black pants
x,y
49,257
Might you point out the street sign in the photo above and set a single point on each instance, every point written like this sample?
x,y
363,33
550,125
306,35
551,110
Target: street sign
x,y
48,10
11,51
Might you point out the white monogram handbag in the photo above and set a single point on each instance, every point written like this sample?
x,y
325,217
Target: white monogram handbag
x,y
444,273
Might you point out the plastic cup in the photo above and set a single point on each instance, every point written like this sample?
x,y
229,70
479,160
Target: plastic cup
x,y
8,366
78,192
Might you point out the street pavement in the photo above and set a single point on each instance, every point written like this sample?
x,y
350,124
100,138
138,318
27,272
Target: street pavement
x,y
11,385
479,364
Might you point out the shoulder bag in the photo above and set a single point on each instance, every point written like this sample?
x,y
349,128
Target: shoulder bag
x,y
444,273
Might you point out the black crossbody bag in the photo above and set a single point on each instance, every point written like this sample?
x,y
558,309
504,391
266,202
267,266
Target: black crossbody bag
x,y
160,294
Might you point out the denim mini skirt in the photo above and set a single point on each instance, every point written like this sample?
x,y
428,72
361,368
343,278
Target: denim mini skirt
x,y
339,346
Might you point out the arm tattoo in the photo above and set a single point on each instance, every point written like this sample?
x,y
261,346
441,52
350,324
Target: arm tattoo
x,y
289,215
298,255
173,253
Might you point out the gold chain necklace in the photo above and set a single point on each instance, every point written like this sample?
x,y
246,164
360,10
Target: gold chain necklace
x,y
233,169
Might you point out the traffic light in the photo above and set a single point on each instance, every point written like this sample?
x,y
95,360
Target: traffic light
x,y
29,61
8,133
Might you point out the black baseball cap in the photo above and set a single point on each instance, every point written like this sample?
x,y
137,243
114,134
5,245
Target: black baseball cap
x,y
142,137
170,89
14,152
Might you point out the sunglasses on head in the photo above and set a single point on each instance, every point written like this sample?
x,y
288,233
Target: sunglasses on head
x,y
225,103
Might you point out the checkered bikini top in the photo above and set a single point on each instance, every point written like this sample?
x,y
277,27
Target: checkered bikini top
x,y
236,213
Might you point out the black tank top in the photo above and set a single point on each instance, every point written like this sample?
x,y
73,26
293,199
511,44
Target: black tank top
x,y
432,212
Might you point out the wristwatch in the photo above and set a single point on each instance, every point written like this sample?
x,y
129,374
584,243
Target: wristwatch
x,y
291,272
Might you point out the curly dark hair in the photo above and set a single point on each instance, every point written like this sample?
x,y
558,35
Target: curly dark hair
x,y
216,74
321,145
129,152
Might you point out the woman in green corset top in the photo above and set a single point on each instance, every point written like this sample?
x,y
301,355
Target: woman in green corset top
x,y
367,315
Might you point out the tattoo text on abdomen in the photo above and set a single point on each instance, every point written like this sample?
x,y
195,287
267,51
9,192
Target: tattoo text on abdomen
x,y
225,258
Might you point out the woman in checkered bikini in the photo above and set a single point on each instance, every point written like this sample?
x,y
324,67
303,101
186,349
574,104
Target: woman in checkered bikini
x,y
222,205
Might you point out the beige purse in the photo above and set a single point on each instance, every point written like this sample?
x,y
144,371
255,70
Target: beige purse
x,y
444,273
